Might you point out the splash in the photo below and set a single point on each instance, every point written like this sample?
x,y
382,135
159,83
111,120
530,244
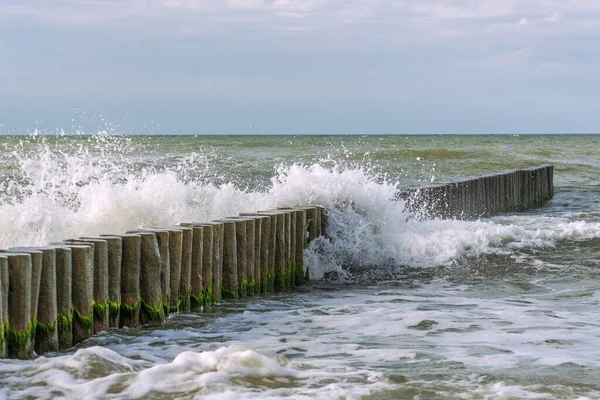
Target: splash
x,y
53,188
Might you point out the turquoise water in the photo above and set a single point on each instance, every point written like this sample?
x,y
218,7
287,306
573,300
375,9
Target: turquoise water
x,y
504,307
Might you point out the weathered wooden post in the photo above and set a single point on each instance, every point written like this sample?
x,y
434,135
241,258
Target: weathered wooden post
x,y
185,280
246,234
162,239
250,255
175,255
230,274
82,257
130,280
152,308
266,248
300,245
101,303
323,219
218,262
241,253
46,333
212,260
280,249
64,297
21,325
290,242
196,282
115,257
311,220
36,278
208,243
276,249
3,305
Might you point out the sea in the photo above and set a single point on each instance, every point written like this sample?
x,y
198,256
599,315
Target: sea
x,y
398,306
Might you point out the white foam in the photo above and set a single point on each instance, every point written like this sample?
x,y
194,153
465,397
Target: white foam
x,y
98,188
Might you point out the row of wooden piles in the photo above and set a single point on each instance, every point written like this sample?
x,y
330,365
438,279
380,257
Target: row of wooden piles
x,y
55,296
484,196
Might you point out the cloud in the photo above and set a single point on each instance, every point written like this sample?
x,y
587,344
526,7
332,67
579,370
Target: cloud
x,y
434,18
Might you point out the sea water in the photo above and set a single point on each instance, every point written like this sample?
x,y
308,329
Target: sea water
x,y
497,308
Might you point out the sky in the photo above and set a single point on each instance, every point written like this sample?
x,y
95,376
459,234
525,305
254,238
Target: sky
x,y
300,66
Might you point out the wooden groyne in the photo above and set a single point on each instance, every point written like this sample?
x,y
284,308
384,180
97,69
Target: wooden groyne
x,y
55,296
483,196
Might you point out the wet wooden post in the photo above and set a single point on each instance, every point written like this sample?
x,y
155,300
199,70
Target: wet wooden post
x,y
45,320
115,257
162,239
246,252
212,260
64,293
152,309
36,278
276,249
311,220
185,284
46,333
262,255
241,254
217,281
196,282
290,243
280,250
209,238
175,254
251,255
82,280
130,280
101,296
324,220
20,329
230,274
257,277
3,305
287,266
300,245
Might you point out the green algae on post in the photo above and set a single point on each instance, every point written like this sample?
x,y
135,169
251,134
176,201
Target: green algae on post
x,y
130,281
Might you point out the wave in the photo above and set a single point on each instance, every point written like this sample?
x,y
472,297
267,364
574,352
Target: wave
x,y
103,185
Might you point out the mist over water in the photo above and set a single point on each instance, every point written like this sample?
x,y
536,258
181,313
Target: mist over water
x,y
496,308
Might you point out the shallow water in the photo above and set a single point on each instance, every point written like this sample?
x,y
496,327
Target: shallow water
x,y
505,307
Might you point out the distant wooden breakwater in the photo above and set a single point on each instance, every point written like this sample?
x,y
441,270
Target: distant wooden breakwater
x,y
483,196
55,296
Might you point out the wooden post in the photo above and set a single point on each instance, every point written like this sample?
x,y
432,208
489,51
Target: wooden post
x,y
130,280
115,257
311,220
208,243
3,305
218,262
185,274
162,238
264,250
20,330
46,333
175,254
241,254
300,245
101,297
250,255
64,300
36,278
230,273
82,257
152,308
196,282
